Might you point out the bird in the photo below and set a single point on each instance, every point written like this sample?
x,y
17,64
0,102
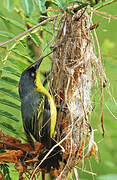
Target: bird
x,y
39,113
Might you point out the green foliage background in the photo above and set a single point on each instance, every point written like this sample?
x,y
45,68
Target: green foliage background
x,y
16,56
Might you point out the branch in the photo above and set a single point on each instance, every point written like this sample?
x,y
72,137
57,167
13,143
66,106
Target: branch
x,y
105,4
105,14
28,31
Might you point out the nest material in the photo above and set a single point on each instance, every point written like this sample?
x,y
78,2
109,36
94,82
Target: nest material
x,y
73,67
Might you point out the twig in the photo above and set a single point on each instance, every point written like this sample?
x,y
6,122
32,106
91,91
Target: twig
x,y
101,81
98,45
101,88
105,14
88,172
76,173
106,3
28,31
90,166
111,112
49,153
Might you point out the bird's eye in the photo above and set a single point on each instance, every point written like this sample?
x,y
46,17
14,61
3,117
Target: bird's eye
x,y
32,74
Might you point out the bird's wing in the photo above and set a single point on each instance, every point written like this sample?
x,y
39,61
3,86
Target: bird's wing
x,y
41,120
36,117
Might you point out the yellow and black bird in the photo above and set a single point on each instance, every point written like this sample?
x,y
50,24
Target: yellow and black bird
x,y
39,112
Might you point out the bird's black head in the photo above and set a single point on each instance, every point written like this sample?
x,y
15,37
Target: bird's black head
x,y
27,82
27,79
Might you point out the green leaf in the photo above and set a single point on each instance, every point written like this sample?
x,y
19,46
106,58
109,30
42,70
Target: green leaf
x,y
12,71
19,53
19,64
35,38
6,173
47,29
9,127
9,80
13,22
9,103
6,34
9,4
28,7
61,4
8,115
41,4
9,93
23,43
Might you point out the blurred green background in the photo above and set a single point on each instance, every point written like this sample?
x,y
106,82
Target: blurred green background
x,y
106,168
18,59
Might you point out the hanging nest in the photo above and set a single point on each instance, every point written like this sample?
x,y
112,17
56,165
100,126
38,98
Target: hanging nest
x,y
75,68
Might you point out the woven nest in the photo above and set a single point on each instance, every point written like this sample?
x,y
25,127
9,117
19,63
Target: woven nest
x,y
73,74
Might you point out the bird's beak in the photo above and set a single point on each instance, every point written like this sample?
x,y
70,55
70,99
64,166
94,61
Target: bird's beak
x,y
37,64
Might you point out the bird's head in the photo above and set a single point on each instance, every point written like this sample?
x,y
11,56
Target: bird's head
x,y
27,79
